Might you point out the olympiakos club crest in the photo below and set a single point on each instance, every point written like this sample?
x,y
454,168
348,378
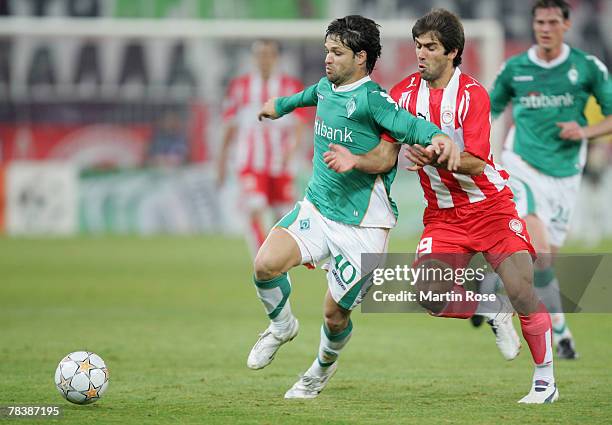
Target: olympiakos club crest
x,y
350,107
447,117
516,225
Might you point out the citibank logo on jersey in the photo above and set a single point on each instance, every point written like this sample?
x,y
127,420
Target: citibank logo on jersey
x,y
540,101
331,133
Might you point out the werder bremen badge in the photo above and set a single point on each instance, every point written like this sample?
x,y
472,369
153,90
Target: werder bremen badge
x,y
572,75
350,107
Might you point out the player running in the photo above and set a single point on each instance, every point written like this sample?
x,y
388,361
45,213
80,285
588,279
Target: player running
x,y
342,215
265,152
469,210
545,151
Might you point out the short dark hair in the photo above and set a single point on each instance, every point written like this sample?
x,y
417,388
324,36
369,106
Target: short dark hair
x,y
358,33
545,4
447,28
267,42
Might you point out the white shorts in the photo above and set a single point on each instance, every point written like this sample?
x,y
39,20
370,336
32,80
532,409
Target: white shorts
x,y
319,238
551,199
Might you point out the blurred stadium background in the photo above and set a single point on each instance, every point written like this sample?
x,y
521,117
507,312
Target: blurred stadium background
x,y
90,88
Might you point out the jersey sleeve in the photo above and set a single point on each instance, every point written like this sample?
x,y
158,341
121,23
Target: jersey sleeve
x,y
307,97
601,87
395,94
502,92
477,124
399,123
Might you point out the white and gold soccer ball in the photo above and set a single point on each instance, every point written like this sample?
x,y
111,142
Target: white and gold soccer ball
x,y
82,377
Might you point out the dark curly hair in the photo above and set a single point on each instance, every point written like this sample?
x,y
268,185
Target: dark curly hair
x,y
447,28
545,4
358,33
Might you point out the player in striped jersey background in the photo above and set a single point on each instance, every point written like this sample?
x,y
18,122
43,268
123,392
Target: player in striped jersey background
x,y
264,152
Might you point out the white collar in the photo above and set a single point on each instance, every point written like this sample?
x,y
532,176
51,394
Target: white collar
x,y
352,86
532,53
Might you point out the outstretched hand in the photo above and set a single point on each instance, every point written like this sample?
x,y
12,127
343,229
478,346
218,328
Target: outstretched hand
x,y
442,152
268,110
339,158
420,156
571,130
448,152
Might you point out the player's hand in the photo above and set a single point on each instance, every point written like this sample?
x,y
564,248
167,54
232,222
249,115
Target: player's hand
x,y
571,130
420,156
339,158
448,152
268,110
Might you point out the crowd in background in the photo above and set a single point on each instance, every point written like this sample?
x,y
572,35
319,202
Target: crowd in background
x,y
132,92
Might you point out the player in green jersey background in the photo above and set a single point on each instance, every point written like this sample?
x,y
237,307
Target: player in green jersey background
x,y
548,87
342,215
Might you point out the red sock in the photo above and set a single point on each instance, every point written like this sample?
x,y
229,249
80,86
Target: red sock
x,y
463,309
257,233
537,331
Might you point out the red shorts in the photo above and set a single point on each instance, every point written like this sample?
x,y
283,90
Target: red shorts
x,y
492,227
266,190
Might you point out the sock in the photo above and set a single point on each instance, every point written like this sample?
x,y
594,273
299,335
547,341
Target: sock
x,y
547,288
274,294
463,309
537,332
330,347
560,329
256,235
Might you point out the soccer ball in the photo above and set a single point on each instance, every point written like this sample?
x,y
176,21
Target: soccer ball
x,y
82,377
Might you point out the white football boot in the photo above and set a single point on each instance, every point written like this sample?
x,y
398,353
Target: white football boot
x,y
542,392
506,338
267,345
310,385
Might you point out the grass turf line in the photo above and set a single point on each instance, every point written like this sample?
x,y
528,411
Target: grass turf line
x,y
174,318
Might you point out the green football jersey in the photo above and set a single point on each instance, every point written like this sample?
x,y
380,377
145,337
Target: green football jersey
x,y
354,116
545,93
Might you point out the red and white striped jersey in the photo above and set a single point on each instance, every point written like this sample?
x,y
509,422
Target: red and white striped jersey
x,y
261,146
470,112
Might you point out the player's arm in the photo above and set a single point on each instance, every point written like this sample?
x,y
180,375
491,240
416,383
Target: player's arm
x,y
380,159
471,165
276,107
573,131
229,134
501,93
601,89
377,161
420,157
230,109
407,129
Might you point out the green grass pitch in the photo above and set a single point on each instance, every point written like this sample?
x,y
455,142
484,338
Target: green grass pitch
x,y
175,318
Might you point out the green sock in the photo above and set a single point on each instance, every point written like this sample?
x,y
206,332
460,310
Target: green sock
x,y
274,294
